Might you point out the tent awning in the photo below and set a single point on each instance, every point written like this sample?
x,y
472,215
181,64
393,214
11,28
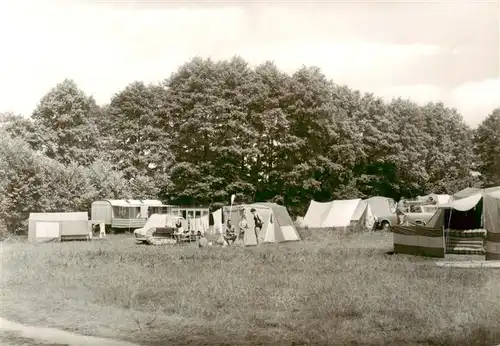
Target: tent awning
x,y
464,204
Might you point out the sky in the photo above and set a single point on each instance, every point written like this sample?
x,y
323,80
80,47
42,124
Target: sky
x,y
425,51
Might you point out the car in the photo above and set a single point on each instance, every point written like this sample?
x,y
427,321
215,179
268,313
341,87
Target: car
x,y
413,213
158,226
420,214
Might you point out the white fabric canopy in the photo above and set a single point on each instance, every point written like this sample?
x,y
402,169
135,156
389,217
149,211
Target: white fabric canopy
x,y
466,203
331,214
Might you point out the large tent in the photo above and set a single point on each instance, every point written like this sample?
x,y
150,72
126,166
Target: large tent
x,y
334,214
471,212
277,224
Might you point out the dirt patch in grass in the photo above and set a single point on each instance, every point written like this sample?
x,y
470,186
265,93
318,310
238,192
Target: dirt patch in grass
x,y
328,289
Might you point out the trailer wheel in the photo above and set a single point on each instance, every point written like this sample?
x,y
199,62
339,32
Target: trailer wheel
x,y
386,226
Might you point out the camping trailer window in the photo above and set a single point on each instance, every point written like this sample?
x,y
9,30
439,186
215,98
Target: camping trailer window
x,y
127,212
160,210
120,212
135,213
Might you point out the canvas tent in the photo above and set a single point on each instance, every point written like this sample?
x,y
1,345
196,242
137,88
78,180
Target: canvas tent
x,y
362,219
332,214
49,227
474,211
277,224
381,206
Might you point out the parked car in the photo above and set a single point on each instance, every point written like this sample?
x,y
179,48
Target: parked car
x,y
162,225
420,214
413,213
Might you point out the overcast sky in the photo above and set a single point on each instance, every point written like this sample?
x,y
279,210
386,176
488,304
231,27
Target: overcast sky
x,y
440,51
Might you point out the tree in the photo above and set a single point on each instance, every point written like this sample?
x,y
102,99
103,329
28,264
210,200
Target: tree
x,y
487,148
18,126
271,142
32,182
449,156
314,167
139,132
376,166
65,123
411,148
21,183
207,102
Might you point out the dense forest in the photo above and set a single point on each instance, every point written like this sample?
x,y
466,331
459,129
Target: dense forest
x,y
214,128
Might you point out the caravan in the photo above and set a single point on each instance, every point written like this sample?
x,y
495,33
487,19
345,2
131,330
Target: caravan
x,y
128,214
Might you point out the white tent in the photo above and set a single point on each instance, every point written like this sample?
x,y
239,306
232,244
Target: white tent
x,y
360,210
333,214
363,218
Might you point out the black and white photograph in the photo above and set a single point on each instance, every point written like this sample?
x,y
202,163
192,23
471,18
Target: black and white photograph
x,y
249,172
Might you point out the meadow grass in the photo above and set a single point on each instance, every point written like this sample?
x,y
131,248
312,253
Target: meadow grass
x,y
328,289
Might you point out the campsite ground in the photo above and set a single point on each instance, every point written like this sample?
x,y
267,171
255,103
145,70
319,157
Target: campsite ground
x,y
330,288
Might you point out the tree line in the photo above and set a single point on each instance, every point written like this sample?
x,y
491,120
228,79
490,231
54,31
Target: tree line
x,y
216,128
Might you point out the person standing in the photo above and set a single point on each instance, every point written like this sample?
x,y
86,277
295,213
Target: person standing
x,y
211,221
400,211
243,225
257,224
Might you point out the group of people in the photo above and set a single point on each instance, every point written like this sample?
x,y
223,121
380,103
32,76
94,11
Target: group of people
x,y
230,235
190,231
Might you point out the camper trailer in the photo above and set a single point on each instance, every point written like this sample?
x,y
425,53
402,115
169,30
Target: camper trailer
x,y
128,214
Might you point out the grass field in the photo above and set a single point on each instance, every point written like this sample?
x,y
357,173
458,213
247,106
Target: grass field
x,y
328,289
